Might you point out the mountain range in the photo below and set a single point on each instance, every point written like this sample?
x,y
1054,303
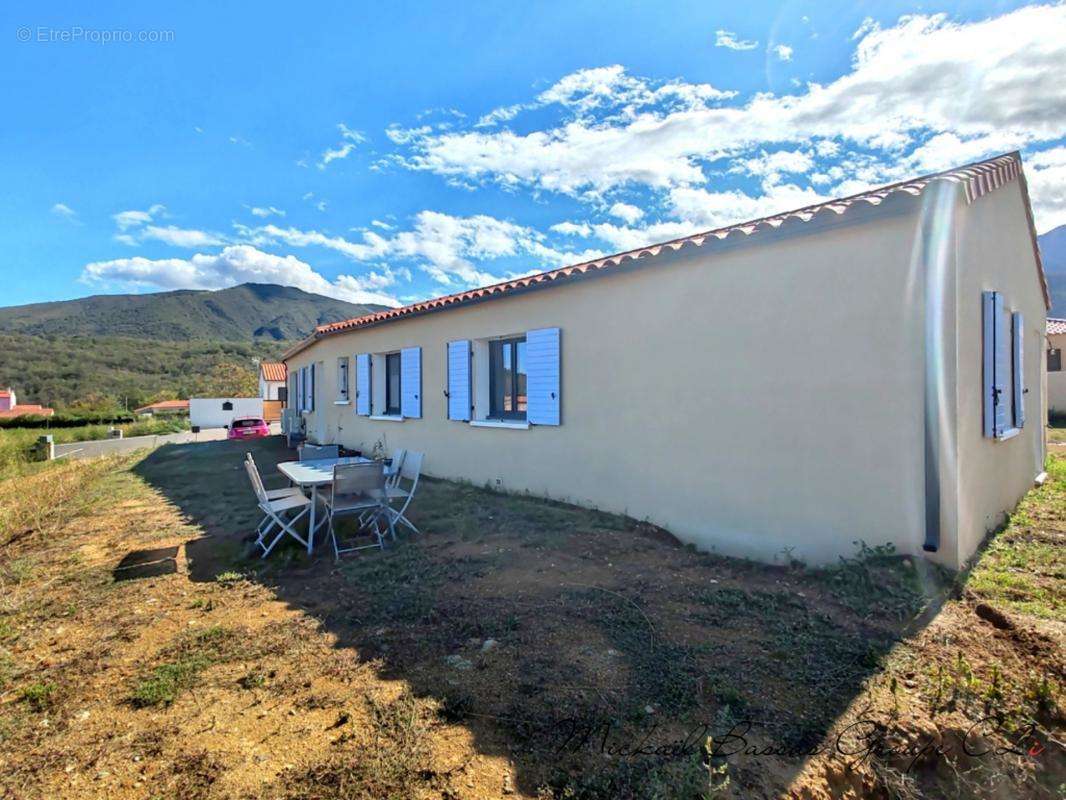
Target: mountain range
x,y
114,351
1053,254
251,311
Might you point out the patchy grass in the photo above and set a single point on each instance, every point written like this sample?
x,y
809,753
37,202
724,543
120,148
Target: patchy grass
x,y
1023,569
39,696
519,647
396,766
190,656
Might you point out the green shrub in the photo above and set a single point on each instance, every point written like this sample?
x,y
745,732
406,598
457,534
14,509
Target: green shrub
x,y
39,695
67,420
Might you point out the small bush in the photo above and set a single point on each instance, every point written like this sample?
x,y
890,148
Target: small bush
x,y
66,420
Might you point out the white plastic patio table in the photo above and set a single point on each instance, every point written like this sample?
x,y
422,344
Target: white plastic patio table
x,y
312,474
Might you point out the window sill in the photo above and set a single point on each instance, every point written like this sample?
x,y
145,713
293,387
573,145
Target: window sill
x,y
342,402
516,425
386,418
1008,434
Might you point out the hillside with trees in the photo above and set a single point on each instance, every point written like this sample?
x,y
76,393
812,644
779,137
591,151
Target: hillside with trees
x,y
124,351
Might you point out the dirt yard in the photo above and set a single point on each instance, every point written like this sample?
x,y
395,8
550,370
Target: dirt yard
x,y
517,648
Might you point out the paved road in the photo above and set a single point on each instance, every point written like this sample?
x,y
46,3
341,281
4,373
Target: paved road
x,y
104,447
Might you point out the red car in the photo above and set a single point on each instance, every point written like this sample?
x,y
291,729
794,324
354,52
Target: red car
x,y
248,428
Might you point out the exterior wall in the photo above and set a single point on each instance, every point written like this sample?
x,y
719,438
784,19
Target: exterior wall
x,y
757,400
995,252
1056,381
8,401
207,412
268,390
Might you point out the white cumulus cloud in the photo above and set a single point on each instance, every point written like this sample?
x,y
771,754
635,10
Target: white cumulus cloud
x,y
350,139
64,211
234,265
729,40
132,219
989,83
447,248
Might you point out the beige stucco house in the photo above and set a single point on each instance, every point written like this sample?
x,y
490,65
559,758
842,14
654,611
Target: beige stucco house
x,y
870,368
1056,377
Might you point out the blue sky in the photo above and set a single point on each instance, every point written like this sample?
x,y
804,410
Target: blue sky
x,y
392,152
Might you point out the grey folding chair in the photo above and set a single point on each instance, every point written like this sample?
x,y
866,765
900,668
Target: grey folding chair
x,y
392,477
409,471
314,452
358,489
278,513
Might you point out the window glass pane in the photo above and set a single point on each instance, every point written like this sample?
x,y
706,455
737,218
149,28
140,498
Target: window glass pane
x,y
520,376
392,383
495,388
507,377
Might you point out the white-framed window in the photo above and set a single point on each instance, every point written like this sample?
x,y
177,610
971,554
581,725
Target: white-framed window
x,y
388,385
342,379
511,380
1003,381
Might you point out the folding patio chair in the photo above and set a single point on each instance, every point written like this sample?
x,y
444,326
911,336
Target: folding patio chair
x,y
392,471
357,489
278,512
409,471
271,494
392,478
314,452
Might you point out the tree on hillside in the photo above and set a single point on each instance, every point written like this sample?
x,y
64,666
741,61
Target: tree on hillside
x,y
228,379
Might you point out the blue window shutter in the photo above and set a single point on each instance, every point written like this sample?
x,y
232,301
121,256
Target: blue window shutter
x,y
1018,376
459,380
542,376
1002,388
303,388
312,404
411,382
362,384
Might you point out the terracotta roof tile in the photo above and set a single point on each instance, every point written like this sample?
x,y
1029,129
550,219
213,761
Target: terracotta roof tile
x,y
976,179
163,405
24,409
273,371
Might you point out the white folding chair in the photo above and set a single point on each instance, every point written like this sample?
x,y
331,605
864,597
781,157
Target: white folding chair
x,y
357,489
314,452
409,471
277,512
271,494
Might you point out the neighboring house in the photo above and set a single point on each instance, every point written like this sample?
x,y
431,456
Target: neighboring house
x,y
271,379
219,412
164,407
10,407
867,369
1056,377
